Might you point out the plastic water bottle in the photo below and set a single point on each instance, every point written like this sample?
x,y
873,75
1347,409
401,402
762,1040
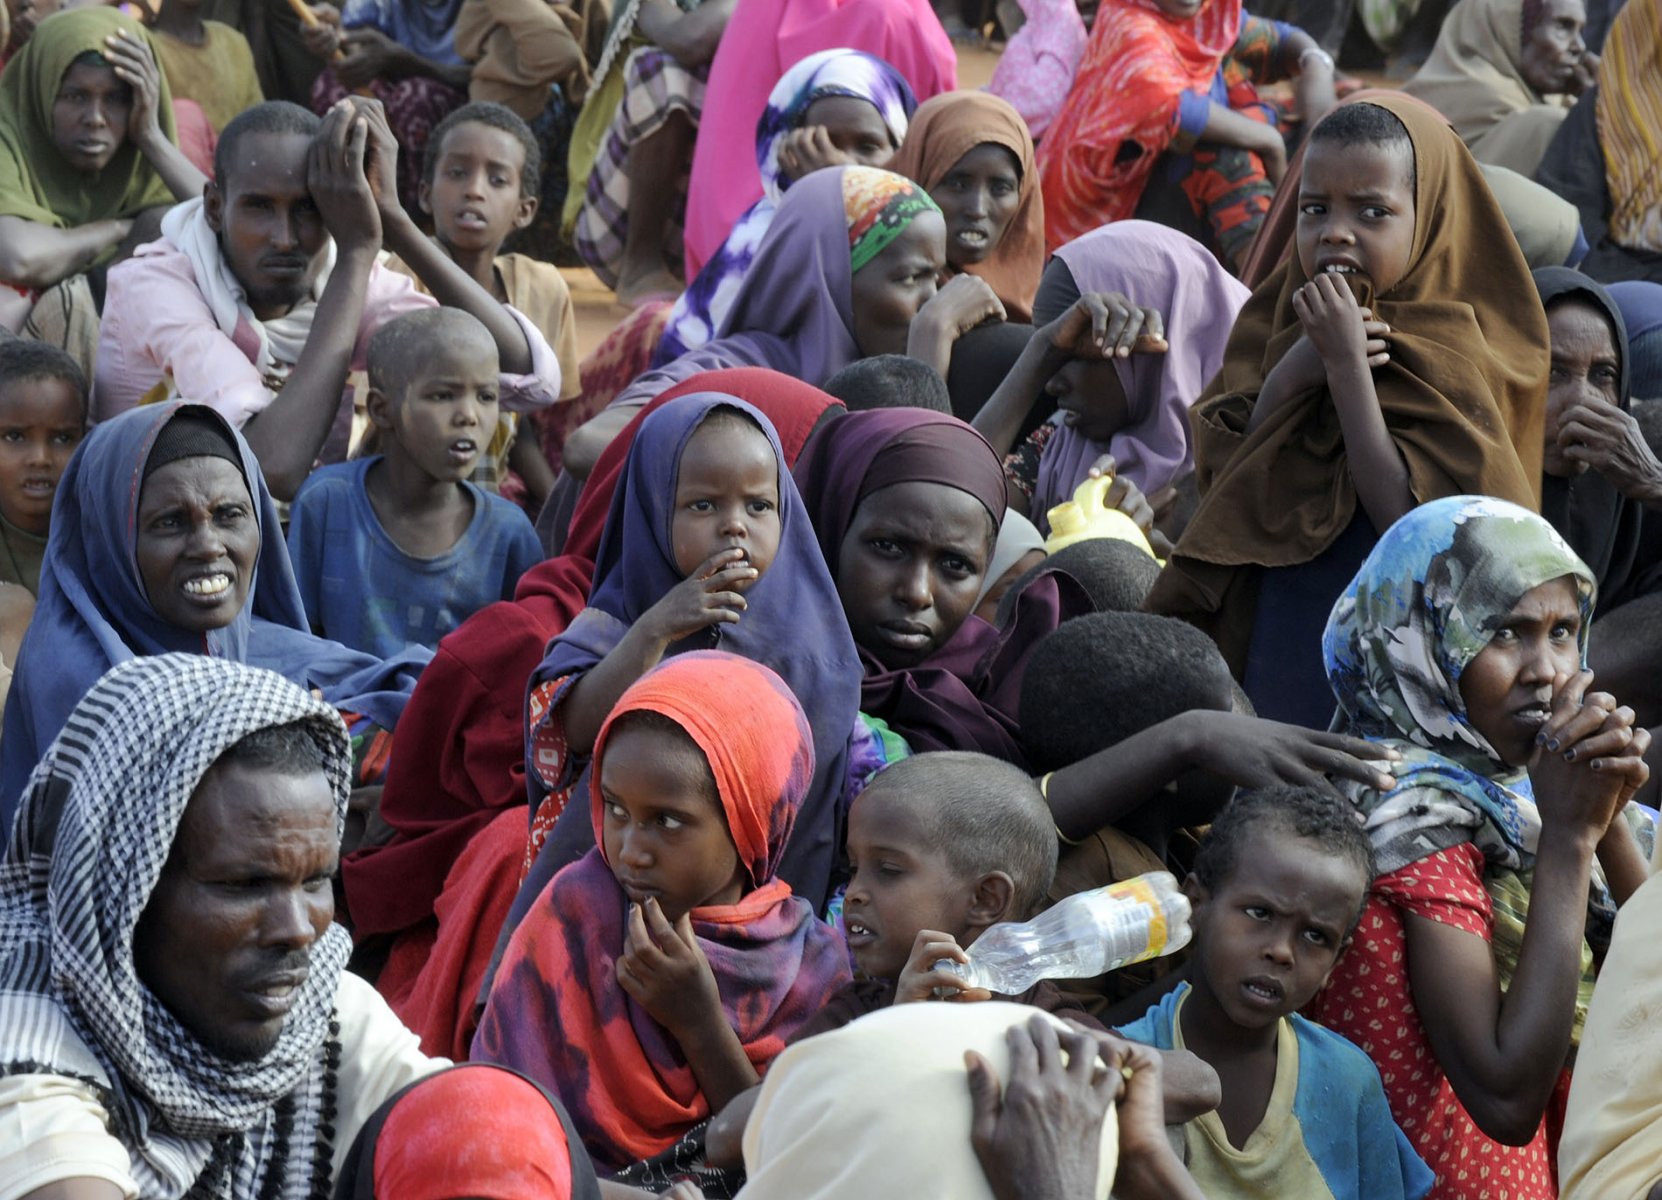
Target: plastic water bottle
x,y
1085,935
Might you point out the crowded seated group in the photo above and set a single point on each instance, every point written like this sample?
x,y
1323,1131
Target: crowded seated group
x,y
466,741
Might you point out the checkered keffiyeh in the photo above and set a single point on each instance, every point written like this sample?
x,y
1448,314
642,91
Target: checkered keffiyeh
x,y
98,819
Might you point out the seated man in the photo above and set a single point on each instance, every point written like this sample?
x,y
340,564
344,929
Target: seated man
x,y
269,285
175,1014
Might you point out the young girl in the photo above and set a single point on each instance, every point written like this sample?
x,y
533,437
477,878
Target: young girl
x,y
1460,645
657,977
1333,415
1133,406
706,546
974,155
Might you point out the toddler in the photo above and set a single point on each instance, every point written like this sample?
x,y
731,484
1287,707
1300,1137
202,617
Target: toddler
x,y
43,416
399,549
1277,888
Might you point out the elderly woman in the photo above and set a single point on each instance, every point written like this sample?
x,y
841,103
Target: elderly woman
x,y
166,539
1504,73
86,150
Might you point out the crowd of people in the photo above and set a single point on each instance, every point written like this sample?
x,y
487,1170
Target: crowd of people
x,y
439,762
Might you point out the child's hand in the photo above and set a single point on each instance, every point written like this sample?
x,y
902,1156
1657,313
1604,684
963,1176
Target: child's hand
x,y
664,970
704,598
1123,494
335,177
1590,760
919,979
1339,328
808,149
1107,325
366,55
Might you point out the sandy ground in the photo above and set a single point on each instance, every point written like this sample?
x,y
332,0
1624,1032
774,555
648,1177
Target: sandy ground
x,y
598,313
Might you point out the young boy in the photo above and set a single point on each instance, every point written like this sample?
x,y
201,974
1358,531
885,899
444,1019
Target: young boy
x,y
480,181
43,416
1277,889
400,548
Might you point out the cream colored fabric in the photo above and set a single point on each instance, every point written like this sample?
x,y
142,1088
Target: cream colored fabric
x,y
1474,79
880,1109
53,1128
1612,1143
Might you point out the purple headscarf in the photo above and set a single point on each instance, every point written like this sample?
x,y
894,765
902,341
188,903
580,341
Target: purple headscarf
x,y
794,624
965,695
1161,269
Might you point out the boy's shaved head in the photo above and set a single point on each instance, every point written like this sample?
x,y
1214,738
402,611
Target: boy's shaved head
x,y
982,813
274,116
409,345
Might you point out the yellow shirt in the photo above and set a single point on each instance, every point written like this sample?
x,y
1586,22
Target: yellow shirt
x,y
219,74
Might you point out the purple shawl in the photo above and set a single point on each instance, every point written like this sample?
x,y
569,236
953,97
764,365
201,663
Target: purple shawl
x,y
966,695
1162,269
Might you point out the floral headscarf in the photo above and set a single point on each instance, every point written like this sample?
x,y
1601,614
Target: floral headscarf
x,y
879,206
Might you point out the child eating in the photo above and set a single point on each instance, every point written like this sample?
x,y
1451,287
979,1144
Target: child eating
x,y
480,179
656,978
43,416
399,549
1277,888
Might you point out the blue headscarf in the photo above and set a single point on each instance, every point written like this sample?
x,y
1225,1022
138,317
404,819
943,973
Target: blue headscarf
x,y
793,623
93,611
1640,302
699,311
427,27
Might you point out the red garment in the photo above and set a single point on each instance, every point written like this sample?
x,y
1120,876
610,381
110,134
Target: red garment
x,y
556,1011
1369,1001
1122,113
459,756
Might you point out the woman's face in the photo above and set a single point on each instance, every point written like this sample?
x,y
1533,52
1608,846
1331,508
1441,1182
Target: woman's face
x,y
889,290
854,126
1508,687
89,116
1090,397
1586,370
978,197
910,568
1552,46
198,541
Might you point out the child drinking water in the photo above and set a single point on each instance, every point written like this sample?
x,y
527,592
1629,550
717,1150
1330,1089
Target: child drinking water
x,y
399,549
1400,356
1460,644
657,977
43,416
1277,887
706,547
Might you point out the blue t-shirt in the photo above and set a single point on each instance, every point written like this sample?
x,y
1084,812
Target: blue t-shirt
x,y
1327,1134
360,589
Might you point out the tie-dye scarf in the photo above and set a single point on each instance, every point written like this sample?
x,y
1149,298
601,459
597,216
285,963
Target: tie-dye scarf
x,y
1424,605
556,1012
700,310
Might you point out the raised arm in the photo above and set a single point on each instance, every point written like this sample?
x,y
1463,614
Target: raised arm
x,y
134,63
690,38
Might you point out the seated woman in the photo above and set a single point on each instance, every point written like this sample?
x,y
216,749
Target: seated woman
x,y
659,976
972,153
403,53
768,36
166,539
87,164
1601,159
633,142
1461,646
1116,395
1504,73
847,270
1165,97
837,107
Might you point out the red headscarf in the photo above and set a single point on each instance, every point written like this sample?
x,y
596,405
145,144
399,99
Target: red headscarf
x,y
1137,65
458,758
556,1011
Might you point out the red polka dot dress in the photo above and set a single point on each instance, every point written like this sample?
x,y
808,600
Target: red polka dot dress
x,y
1369,1001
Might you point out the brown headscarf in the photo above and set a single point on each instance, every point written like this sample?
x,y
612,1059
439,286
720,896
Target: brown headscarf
x,y
949,126
1464,396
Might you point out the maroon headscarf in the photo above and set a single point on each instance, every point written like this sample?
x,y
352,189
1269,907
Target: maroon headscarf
x,y
965,695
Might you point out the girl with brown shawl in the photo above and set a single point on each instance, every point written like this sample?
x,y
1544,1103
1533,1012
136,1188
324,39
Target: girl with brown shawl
x,y
1460,385
993,230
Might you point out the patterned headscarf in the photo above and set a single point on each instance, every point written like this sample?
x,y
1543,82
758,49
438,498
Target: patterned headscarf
x,y
879,206
98,821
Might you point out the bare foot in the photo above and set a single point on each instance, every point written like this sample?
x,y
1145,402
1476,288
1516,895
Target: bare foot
x,y
635,290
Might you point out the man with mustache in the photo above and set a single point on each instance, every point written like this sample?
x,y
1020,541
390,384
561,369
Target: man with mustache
x,y
175,1016
261,297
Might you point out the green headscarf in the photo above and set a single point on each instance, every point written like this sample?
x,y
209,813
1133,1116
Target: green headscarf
x,y
35,181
